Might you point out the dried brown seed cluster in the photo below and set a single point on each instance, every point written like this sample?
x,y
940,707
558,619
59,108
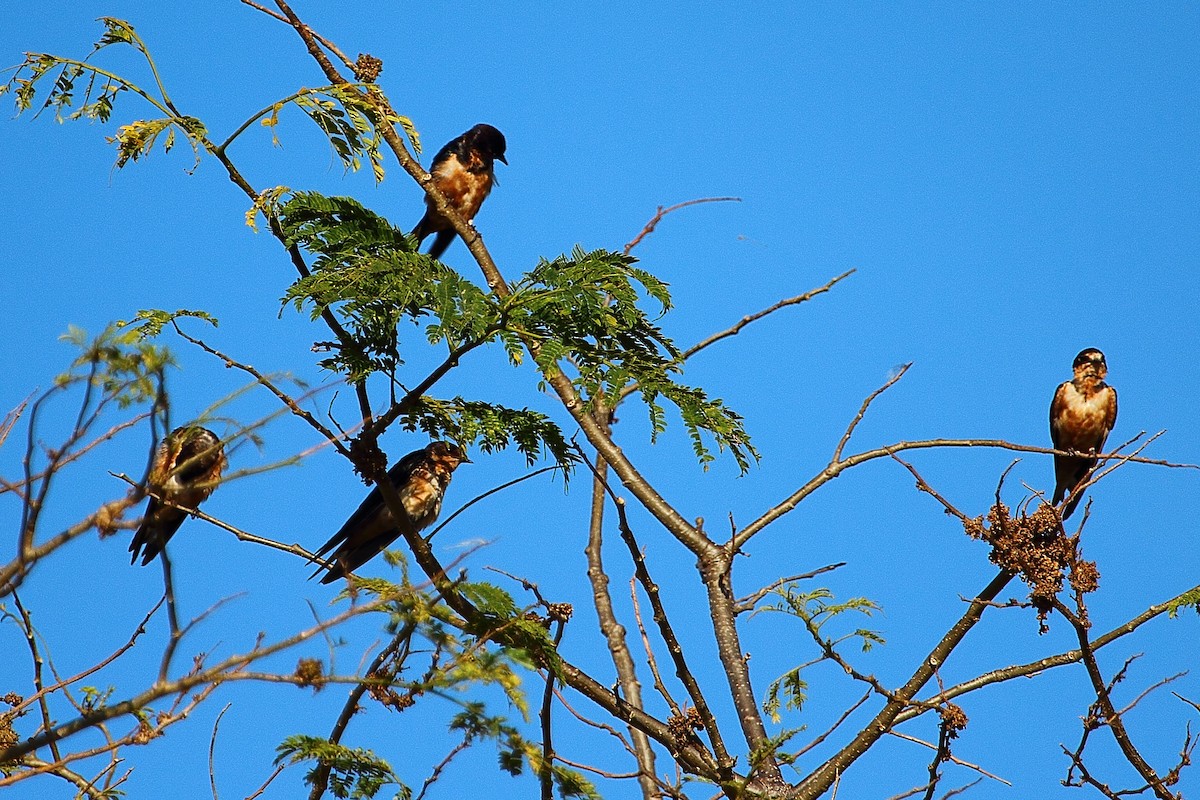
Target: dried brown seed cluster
x,y
386,696
144,733
683,726
310,672
8,736
561,612
381,689
368,459
954,719
367,68
1035,547
108,516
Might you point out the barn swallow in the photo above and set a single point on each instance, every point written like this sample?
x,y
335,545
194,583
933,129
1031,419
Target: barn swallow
x,y
462,170
420,478
186,469
1082,415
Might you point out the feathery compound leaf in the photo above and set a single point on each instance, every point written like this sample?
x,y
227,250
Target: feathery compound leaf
x,y
125,368
586,309
354,773
490,599
1186,600
148,323
788,691
491,427
349,122
369,273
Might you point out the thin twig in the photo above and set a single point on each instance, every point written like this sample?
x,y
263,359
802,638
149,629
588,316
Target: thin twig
x,y
212,748
951,758
845,715
836,468
662,212
748,602
650,660
862,410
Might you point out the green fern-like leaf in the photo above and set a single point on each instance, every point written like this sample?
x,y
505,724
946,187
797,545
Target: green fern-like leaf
x,y
354,773
586,309
369,273
788,691
491,428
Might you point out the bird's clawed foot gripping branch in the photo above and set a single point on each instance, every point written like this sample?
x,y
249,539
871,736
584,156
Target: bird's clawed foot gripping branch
x,y
580,319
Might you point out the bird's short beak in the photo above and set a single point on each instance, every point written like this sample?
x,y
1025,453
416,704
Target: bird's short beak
x,y
465,460
502,158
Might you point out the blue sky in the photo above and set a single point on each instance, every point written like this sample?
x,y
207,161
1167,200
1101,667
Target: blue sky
x,y
1012,182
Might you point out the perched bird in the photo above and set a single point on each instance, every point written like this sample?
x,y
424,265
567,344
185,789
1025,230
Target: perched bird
x,y
462,170
420,478
1082,415
186,469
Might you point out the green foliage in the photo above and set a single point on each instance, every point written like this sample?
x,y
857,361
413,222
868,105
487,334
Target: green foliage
x,y
585,309
149,323
94,698
813,607
790,690
99,92
462,662
769,749
120,364
137,139
528,640
515,752
794,691
369,274
490,599
349,120
71,80
490,427
354,773
1186,600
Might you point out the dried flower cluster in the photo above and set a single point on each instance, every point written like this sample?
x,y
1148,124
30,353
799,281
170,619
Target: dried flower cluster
x,y
561,612
1036,547
311,672
368,459
367,68
683,726
8,736
954,719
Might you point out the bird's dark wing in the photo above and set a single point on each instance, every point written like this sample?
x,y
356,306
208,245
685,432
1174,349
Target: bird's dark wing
x,y
1057,407
1111,421
456,146
197,457
348,551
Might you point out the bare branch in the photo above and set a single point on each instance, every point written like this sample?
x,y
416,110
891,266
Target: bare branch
x,y
862,410
662,212
682,671
845,715
613,631
650,660
817,783
212,747
836,468
265,381
1110,716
